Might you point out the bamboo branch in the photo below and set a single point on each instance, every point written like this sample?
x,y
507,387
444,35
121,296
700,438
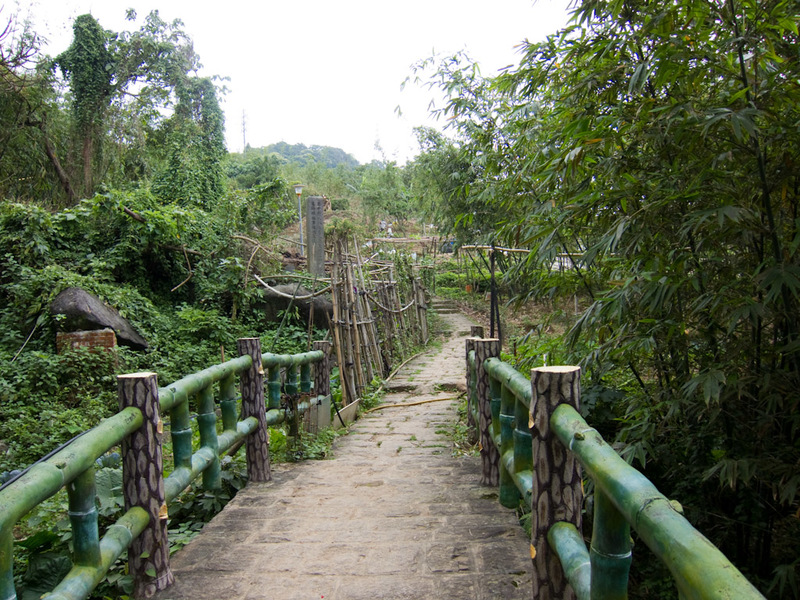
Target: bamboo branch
x,y
279,293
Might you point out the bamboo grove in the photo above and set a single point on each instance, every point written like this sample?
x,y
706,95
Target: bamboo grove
x,y
659,142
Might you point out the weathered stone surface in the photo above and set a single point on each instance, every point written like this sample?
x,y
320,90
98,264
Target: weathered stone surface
x,y
85,311
274,303
393,515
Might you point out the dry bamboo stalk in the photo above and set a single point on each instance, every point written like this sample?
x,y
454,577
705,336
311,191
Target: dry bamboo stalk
x,y
354,375
353,325
371,331
348,393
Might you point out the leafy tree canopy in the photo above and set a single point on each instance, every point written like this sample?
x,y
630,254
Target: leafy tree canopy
x,y
657,143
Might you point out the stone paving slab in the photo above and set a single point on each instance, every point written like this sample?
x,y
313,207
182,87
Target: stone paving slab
x,y
393,515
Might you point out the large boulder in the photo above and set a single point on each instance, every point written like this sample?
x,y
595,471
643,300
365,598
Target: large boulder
x,y
83,311
278,298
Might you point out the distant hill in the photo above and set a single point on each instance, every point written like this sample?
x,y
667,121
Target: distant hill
x,y
302,154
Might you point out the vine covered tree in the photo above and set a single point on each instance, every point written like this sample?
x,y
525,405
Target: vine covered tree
x,y
195,138
89,66
102,68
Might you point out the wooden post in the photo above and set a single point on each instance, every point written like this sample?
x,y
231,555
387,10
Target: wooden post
x,y
556,493
490,456
143,485
476,331
470,347
322,384
252,386
322,370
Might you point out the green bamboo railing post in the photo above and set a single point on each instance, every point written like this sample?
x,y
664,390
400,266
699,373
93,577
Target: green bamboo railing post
x,y
291,380
490,456
274,388
556,486
7,589
252,387
305,378
143,485
610,552
207,425
181,432
227,402
509,494
567,543
83,518
523,444
495,402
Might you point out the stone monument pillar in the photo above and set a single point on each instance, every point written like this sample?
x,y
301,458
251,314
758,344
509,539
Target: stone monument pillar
x,y
316,235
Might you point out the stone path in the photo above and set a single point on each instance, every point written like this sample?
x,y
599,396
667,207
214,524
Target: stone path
x,y
393,515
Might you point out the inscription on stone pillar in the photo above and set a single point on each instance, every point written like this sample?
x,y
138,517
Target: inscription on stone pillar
x,y
316,235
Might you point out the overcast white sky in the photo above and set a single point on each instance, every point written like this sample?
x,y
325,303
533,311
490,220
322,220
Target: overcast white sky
x,y
323,72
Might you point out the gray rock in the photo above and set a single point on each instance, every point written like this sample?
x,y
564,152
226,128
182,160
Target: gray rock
x,y
84,311
276,301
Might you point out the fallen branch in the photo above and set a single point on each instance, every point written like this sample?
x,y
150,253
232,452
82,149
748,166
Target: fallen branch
x,y
417,403
189,266
134,215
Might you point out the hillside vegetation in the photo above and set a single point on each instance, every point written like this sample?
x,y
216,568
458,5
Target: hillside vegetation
x,y
644,161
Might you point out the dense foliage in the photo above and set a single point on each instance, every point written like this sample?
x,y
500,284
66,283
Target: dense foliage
x,y
658,142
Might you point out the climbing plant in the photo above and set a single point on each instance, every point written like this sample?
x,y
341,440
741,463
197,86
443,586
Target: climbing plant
x,y
89,66
193,172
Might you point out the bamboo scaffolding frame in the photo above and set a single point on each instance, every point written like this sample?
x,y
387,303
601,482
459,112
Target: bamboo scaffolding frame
x,y
370,331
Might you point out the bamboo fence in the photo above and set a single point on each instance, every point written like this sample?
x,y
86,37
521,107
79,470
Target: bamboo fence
x,y
378,317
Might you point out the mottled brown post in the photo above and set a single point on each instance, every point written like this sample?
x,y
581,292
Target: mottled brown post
x,y
476,331
556,493
322,383
490,456
252,385
322,370
143,485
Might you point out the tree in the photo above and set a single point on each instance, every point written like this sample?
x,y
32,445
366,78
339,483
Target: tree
x,y
193,172
121,85
659,140
26,98
89,66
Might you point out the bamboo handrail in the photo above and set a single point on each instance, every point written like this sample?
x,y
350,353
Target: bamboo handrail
x,y
624,498
74,464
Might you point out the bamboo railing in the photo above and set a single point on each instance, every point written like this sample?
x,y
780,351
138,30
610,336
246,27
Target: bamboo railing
x,y
533,444
138,427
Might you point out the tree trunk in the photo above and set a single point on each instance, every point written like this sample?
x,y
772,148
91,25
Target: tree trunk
x,y
50,150
88,152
